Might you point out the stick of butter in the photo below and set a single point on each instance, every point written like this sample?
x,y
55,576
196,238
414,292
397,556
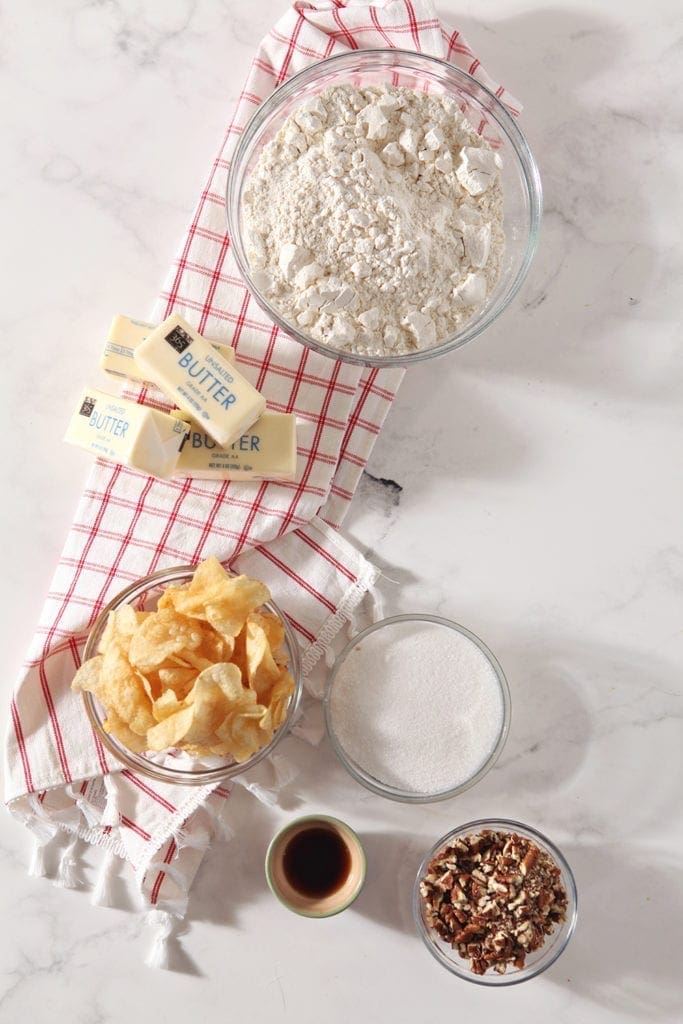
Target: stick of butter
x,y
124,337
267,451
125,432
198,380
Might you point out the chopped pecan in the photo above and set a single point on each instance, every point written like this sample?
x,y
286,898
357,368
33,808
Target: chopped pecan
x,y
445,881
530,858
471,899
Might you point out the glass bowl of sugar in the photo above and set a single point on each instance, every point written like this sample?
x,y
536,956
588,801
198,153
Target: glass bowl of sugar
x,y
417,708
383,207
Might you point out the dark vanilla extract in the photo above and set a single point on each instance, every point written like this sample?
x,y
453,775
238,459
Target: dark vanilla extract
x,y
316,862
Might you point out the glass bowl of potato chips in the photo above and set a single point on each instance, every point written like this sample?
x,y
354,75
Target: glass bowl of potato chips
x,y
191,675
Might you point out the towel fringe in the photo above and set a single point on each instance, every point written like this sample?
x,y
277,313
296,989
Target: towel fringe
x,y
173,871
92,814
163,924
222,829
391,579
43,840
377,603
283,769
330,657
198,839
265,796
310,728
41,823
110,815
67,877
102,890
37,867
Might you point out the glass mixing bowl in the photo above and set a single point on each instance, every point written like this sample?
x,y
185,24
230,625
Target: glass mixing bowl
x,y
178,766
406,627
520,177
541,958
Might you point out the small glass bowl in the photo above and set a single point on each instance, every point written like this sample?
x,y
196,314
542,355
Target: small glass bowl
x,y
376,785
536,962
143,596
521,181
315,906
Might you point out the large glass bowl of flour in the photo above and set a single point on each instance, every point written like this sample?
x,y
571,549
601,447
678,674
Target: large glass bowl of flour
x,y
518,178
417,708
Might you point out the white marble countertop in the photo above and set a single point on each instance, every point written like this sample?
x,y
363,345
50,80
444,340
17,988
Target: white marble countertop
x,y
538,501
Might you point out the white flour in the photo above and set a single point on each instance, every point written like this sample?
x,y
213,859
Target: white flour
x,y
374,219
418,706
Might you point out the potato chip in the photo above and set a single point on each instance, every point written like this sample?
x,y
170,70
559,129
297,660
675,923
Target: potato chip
x,y
197,662
214,646
166,598
205,673
262,672
241,736
166,705
212,696
229,678
88,675
180,680
222,600
239,654
115,725
195,720
170,731
278,702
122,690
151,685
169,633
275,633
121,624
210,701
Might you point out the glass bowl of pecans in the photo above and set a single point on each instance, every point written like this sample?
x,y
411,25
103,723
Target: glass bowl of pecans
x,y
495,902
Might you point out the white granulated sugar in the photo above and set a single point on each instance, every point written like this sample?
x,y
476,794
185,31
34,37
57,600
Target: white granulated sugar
x,y
374,219
417,706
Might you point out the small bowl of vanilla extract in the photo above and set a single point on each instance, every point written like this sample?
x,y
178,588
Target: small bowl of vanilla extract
x,y
316,866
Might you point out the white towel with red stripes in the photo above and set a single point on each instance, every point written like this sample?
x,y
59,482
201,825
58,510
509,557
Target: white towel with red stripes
x,y
59,779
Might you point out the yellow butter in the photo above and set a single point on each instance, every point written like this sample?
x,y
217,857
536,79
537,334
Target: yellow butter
x,y
123,431
125,334
197,379
266,451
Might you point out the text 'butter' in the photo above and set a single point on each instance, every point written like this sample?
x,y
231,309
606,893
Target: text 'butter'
x,y
266,451
195,378
122,431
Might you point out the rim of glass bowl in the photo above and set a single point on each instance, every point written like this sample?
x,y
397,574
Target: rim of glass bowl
x,y
393,792
459,966
139,763
411,61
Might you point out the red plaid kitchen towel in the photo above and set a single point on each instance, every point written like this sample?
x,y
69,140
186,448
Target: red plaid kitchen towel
x,y
59,779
